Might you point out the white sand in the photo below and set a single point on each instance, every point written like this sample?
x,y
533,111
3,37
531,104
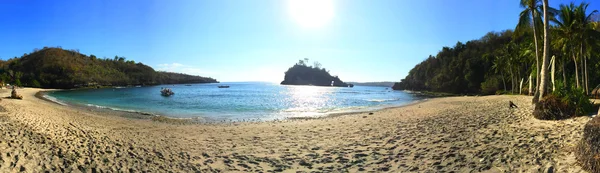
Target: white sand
x,y
459,134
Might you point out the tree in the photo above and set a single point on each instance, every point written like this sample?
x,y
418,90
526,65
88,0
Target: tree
x,y
544,74
317,65
530,16
567,26
587,36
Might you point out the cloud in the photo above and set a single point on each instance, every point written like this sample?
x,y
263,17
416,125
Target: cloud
x,y
180,68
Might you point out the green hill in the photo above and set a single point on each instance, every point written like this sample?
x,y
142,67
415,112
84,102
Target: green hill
x,y
60,68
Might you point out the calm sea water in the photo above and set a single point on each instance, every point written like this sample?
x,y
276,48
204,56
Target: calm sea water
x,y
243,100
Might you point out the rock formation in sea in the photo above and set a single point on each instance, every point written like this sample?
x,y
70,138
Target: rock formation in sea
x,y
302,74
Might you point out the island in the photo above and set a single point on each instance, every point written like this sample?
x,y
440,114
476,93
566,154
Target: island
x,y
54,67
303,74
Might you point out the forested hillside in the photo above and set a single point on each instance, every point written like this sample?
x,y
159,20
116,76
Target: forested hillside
x,y
459,69
499,61
60,68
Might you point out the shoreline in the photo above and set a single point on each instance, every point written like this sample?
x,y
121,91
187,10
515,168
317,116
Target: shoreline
x,y
140,115
459,134
373,111
204,120
120,113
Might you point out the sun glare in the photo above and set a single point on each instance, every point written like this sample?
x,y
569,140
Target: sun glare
x,y
311,13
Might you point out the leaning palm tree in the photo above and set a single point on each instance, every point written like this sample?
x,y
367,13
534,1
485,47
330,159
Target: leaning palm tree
x,y
530,17
544,74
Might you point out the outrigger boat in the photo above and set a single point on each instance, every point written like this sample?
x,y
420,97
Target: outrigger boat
x,y
223,86
166,92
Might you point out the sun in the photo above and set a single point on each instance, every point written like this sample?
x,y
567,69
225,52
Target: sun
x,y
311,13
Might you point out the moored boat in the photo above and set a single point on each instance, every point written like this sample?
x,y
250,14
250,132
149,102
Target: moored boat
x,y
223,86
166,92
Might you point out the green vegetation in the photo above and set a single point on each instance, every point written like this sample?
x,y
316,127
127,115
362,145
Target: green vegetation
x,y
302,74
383,84
463,68
574,98
563,103
59,68
508,62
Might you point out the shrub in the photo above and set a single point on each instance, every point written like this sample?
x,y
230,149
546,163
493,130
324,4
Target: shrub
x,y
552,108
490,86
502,92
35,84
563,103
575,98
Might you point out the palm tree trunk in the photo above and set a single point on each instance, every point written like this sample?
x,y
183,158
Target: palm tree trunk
x,y
503,81
552,70
530,85
581,61
544,79
520,83
564,74
576,70
587,91
537,57
512,80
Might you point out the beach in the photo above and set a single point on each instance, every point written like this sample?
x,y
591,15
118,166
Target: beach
x,y
452,134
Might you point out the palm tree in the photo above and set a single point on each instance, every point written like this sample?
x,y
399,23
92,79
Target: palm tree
x,y
590,42
544,79
530,16
567,29
575,29
587,36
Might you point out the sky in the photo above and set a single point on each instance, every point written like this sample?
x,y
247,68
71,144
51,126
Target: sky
x,y
257,40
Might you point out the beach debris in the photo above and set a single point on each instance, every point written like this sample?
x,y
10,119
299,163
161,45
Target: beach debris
x,y
15,95
370,113
512,105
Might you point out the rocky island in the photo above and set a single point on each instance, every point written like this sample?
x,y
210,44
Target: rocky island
x,y
302,74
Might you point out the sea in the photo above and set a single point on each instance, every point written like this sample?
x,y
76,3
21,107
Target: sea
x,y
242,101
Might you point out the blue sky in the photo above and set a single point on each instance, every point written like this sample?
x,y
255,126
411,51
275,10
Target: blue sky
x,y
243,40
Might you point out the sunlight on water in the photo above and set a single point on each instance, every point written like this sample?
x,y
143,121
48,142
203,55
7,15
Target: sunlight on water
x,y
308,100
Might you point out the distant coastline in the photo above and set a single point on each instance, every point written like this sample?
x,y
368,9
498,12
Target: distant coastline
x,y
382,84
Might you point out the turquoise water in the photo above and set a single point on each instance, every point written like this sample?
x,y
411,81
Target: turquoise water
x,y
243,100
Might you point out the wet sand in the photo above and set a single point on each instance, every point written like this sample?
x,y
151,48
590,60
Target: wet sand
x,y
459,134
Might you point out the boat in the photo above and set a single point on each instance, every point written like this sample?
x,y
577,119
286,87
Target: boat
x,y
166,92
223,86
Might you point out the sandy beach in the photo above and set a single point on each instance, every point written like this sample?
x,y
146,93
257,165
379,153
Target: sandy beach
x,y
454,134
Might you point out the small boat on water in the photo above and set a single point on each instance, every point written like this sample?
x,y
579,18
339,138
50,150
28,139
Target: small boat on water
x,y
223,86
166,92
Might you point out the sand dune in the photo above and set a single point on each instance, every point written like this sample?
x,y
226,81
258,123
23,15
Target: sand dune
x,y
459,134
